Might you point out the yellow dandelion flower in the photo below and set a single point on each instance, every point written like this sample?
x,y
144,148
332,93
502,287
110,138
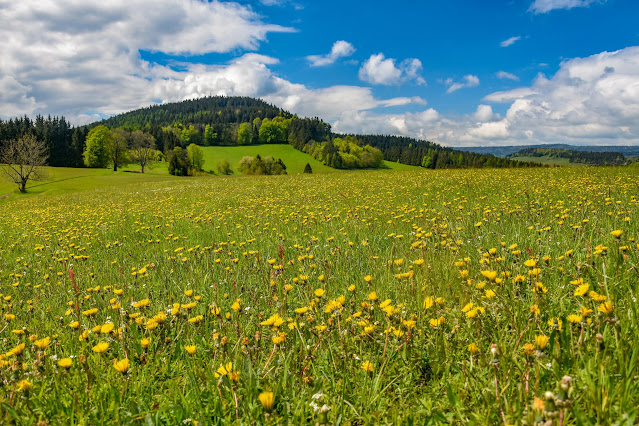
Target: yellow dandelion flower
x,y
319,292
574,318
24,385
190,349
100,347
266,399
122,365
534,309
107,328
490,275
584,312
582,289
428,302
606,308
367,366
42,343
541,341
65,363
528,349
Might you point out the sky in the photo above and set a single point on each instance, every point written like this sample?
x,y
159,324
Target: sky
x,y
459,73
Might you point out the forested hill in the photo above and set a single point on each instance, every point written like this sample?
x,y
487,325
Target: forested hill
x,y
430,155
229,121
210,110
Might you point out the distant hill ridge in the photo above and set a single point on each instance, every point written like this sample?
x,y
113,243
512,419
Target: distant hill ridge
x,y
600,158
504,151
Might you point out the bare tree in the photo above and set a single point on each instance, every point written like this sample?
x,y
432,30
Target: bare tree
x,y
143,151
22,159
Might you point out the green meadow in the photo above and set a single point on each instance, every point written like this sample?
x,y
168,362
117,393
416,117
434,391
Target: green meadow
x,y
363,297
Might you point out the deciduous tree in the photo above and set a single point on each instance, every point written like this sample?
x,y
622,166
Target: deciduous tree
x,y
22,160
143,149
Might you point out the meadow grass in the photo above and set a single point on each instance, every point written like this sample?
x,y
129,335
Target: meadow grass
x,y
371,297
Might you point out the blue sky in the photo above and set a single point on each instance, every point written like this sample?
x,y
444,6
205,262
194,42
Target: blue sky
x,y
455,72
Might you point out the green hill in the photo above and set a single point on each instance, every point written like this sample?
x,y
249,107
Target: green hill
x,y
226,122
293,159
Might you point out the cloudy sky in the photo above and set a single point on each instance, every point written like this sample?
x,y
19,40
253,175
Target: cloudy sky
x,y
457,72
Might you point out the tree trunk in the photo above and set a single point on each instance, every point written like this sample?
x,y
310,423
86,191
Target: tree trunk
x,y
115,167
23,186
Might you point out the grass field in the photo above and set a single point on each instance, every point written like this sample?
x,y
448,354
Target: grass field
x,y
370,297
62,179
294,160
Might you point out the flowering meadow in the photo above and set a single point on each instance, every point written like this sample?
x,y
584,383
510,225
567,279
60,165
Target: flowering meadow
x,y
375,297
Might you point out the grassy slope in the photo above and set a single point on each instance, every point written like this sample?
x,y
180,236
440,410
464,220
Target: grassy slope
x,y
293,159
63,179
66,179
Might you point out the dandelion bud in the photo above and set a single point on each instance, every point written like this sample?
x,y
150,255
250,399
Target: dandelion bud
x,y
323,414
550,410
566,382
493,350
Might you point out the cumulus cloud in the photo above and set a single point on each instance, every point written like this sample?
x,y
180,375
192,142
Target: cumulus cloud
x,y
72,56
340,49
468,81
14,98
510,41
484,113
589,101
503,75
379,70
82,60
545,6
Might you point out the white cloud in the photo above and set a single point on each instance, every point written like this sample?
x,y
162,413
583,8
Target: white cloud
x,y
545,6
589,101
73,56
340,49
468,81
89,65
484,113
510,41
503,75
378,70
510,95
14,98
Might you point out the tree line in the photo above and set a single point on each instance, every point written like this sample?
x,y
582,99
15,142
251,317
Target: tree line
x,y
607,158
165,132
